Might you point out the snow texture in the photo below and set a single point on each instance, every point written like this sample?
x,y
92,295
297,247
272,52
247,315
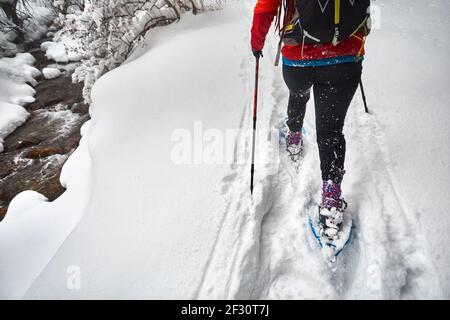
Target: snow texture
x,y
42,16
34,27
51,73
55,51
133,224
15,76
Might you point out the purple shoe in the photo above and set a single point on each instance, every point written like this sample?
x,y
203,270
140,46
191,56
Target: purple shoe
x,y
331,210
294,142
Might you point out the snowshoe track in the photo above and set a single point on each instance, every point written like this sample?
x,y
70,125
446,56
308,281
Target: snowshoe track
x,y
264,249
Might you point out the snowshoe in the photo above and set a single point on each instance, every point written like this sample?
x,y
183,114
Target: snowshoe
x,y
332,229
293,145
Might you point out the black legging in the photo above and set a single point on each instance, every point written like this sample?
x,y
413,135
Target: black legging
x,y
334,88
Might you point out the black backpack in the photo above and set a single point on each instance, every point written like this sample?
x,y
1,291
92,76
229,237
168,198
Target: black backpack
x,y
326,21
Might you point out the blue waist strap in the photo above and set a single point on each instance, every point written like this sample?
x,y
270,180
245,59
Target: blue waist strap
x,y
321,62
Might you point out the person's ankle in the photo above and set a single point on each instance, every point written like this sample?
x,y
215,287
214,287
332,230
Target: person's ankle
x,y
331,194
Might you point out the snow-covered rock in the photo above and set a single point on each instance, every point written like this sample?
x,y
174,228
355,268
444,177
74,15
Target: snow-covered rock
x,y
34,27
55,51
51,73
15,73
58,51
42,15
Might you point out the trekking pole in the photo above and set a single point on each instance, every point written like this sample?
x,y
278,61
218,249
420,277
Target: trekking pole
x,y
255,106
363,96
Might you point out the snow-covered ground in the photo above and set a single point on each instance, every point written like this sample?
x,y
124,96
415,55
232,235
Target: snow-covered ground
x,y
135,223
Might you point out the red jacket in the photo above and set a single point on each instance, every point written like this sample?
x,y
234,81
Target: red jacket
x,y
263,16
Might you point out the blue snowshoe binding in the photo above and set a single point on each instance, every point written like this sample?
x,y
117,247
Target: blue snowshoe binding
x,y
332,229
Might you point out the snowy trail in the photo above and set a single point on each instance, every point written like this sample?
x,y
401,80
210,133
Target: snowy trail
x,y
212,240
269,251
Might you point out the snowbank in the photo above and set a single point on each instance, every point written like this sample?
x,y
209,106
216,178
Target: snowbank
x,y
134,224
138,208
33,228
15,73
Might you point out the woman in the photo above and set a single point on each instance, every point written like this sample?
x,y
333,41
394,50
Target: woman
x,y
332,67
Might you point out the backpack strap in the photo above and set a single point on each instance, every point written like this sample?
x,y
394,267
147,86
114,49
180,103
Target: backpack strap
x,y
337,12
280,43
337,20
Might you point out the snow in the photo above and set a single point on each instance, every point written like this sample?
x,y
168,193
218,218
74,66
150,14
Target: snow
x,y
42,16
34,28
135,224
411,103
15,73
6,46
55,51
45,225
58,51
51,73
64,67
